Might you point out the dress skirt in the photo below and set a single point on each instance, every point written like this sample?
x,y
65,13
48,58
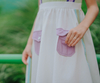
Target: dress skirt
x,y
52,60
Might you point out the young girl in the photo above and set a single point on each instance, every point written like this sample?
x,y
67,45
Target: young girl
x,y
62,47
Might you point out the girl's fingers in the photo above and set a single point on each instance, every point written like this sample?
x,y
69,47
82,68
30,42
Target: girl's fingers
x,y
26,53
70,39
67,38
24,58
30,54
73,40
77,40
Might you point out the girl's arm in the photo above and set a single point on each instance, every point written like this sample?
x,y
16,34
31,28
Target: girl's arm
x,y
78,32
91,14
30,40
27,50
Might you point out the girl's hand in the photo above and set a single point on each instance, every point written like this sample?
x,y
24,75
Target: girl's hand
x,y
26,53
75,35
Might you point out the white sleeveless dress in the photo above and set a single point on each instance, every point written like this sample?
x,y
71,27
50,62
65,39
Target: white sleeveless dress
x,y
52,60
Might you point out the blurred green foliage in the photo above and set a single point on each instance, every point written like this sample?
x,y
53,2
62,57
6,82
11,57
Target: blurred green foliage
x,y
94,28
11,73
16,25
15,28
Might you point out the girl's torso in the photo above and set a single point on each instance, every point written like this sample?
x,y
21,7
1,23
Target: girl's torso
x,y
76,1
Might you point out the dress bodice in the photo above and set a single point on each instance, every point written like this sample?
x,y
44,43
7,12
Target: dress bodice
x,y
76,1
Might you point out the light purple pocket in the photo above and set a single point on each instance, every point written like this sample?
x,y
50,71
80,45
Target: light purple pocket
x,y
37,39
62,48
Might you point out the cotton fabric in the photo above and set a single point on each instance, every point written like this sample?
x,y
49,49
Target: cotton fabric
x,y
47,64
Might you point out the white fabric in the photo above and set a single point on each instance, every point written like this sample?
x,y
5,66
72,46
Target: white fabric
x,y
49,66
60,4
90,54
